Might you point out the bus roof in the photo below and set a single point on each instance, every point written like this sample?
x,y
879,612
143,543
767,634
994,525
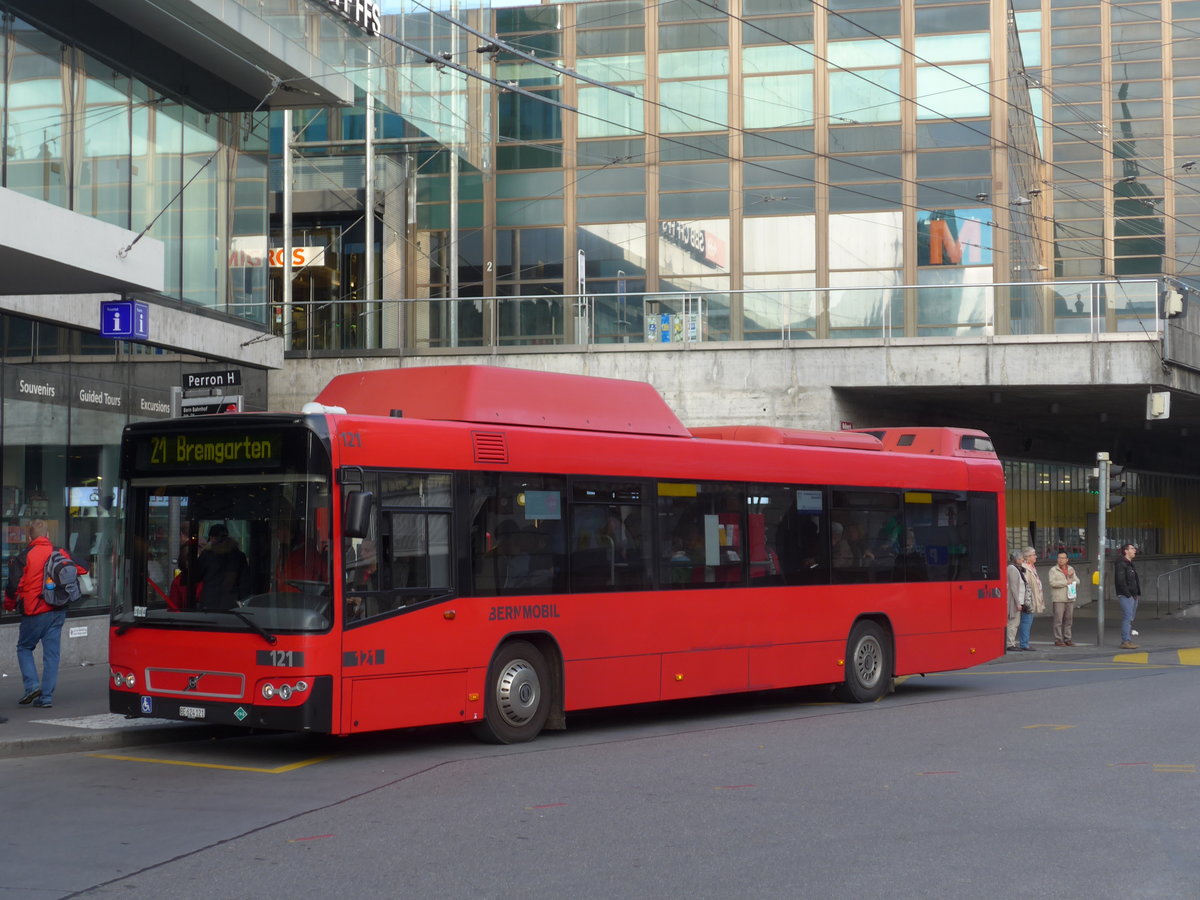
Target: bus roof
x,y
763,434
496,395
967,442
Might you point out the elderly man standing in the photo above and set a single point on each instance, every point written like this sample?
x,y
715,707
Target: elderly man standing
x,y
1064,587
1016,599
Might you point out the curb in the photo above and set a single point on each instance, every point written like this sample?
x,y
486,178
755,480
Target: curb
x,y
80,741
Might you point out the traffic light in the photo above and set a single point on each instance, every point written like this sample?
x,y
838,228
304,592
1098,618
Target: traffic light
x,y
1093,483
1116,486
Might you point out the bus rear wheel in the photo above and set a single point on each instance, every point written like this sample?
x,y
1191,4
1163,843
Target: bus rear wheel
x,y
517,702
868,664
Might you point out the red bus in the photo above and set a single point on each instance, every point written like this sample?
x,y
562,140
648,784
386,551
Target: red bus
x,y
501,547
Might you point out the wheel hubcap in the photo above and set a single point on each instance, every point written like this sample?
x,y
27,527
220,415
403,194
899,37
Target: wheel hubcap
x,y
868,662
518,692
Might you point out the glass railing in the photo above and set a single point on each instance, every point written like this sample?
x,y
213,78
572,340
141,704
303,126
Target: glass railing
x,y
887,313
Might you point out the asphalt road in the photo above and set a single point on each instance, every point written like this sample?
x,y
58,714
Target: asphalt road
x,y
1025,778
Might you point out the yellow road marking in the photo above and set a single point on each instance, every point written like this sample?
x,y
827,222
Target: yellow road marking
x,y
1055,727
1098,667
1181,768
279,770
1190,657
1132,657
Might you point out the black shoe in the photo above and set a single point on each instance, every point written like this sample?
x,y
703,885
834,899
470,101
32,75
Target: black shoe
x,y
30,696
1030,649
43,705
3,719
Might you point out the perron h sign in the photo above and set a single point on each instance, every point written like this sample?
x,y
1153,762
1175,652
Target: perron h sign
x,y
129,319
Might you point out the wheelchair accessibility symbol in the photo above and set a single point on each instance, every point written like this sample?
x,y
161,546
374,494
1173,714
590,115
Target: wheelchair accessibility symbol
x,y
147,705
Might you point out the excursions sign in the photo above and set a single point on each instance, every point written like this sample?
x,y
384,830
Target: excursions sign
x,y
363,13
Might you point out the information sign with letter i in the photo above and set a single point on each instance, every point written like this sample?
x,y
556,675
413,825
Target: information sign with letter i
x,y
128,319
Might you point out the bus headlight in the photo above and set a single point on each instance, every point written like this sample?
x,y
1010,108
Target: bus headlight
x,y
268,691
285,692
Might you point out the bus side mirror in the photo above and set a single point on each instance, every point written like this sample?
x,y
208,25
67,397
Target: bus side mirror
x,y
357,514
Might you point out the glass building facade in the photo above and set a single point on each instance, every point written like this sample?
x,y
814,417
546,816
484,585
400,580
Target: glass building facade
x,y
778,168
84,136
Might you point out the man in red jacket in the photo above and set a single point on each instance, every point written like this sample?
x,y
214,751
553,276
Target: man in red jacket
x,y
40,622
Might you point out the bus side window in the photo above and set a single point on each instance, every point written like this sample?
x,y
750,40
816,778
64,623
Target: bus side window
x,y
701,533
518,534
873,540
603,549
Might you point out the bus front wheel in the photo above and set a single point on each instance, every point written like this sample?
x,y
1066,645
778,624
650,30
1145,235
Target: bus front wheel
x,y
868,664
517,702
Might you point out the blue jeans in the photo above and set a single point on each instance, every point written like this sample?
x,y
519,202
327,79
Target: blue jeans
x,y
1128,608
1023,629
47,628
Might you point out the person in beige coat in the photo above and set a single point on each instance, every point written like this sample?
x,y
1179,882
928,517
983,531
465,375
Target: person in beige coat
x,y
1034,603
1064,588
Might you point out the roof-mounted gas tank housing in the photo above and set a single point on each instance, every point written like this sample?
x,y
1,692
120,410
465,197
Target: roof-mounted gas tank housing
x,y
495,395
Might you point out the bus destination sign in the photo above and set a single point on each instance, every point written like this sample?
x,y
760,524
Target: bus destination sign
x,y
209,451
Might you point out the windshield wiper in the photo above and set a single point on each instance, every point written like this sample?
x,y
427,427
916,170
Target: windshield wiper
x,y
249,620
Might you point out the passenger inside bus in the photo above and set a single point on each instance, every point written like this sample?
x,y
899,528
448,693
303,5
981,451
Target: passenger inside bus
x,y
524,563
297,561
222,571
362,579
802,552
183,591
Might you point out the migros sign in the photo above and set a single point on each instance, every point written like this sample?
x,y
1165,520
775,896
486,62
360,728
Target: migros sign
x,y
363,13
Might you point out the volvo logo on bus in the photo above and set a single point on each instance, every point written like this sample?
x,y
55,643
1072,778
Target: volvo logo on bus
x,y
194,681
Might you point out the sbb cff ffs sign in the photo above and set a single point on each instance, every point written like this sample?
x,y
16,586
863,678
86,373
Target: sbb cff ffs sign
x,y
363,13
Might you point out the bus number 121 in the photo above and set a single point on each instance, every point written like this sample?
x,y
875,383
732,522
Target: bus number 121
x,y
283,659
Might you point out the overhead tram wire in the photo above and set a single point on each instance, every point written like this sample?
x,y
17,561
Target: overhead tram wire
x,y
1057,166
965,124
727,126
570,73
428,55
527,56
573,74
951,73
511,86
124,251
472,73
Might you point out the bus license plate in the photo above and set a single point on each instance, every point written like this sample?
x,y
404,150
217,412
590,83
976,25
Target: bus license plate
x,y
191,712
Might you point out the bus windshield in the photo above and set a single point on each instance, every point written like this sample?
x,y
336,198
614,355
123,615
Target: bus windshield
x,y
237,550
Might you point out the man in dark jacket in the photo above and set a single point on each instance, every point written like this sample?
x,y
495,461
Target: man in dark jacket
x,y
1129,591
222,570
